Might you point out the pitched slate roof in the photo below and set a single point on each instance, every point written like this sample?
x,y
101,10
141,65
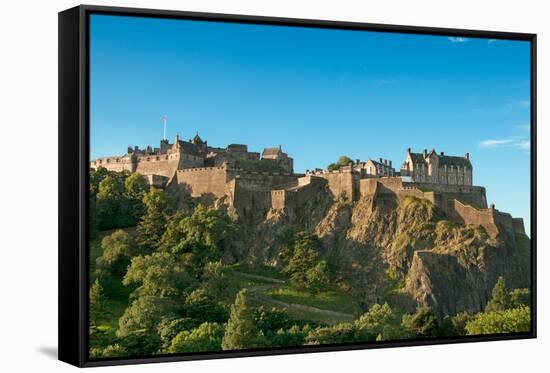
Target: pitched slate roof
x,y
417,158
271,151
451,160
237,147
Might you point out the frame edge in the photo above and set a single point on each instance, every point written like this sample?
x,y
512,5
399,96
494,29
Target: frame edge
x,y
69,249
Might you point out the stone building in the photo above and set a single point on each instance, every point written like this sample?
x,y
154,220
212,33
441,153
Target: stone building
x,y
232,173
276,154
382,167
430,167
181,154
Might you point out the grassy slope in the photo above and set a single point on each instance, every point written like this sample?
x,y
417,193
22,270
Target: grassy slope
x,y
331,300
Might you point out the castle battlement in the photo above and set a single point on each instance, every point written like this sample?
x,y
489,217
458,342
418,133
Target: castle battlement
x,y
233,172
197,169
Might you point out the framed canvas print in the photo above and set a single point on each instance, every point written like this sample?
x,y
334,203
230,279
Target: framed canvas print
x,y
240,186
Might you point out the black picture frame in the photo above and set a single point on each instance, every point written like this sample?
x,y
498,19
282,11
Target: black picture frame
x,y
74,175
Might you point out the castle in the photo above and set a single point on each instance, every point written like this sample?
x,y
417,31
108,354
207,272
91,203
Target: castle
x,y
249,181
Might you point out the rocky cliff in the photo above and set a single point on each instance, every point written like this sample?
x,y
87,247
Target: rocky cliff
x,y
403,250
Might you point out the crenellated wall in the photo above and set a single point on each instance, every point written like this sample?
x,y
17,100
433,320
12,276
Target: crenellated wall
x,y
468,194
462,203
262,181
296,196
117,164
203,180
163,165
341,183
491,219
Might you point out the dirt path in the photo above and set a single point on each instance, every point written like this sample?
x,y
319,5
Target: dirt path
x,y
263,278
255,291
301,307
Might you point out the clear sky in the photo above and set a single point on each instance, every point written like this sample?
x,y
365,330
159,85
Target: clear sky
x,y
319,93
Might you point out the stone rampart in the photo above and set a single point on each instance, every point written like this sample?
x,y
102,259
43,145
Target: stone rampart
x,y
117,164
203,180
295,197
519,227
341,183
163,165
492,220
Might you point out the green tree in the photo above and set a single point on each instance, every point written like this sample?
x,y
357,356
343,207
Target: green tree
x,y
153,222
277,327
422,324
109,351
217,284
169,327
96,176
519,297
500,300
158,274
339,333
304,257
241,331
118,248
109,199
96,302
459,322
317,277
199,305
110,205
137,327
271,320
342,161
295,336
380,322
516,320
136,186
200,238
207,337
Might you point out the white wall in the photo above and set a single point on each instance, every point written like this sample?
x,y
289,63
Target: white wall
x,y
28,233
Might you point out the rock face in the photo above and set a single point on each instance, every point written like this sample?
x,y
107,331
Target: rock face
x,y
403,250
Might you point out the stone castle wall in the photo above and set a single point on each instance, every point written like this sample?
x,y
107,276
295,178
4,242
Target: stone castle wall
x,y
203,180
466,214
519,227
242,187
163,165
341,183
117,164
468,194
262,181
382,185
297,196
492,220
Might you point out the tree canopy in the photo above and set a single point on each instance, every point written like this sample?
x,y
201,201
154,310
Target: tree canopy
x,y
342,161
241,331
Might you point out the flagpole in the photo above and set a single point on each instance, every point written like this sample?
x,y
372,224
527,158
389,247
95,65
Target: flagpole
x,y
163,119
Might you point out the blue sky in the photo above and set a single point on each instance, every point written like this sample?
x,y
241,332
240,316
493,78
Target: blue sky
x,y
319,93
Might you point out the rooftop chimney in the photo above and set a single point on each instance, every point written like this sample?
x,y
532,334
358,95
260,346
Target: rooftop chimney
x,y
442,153
467,156
425,153
381,160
